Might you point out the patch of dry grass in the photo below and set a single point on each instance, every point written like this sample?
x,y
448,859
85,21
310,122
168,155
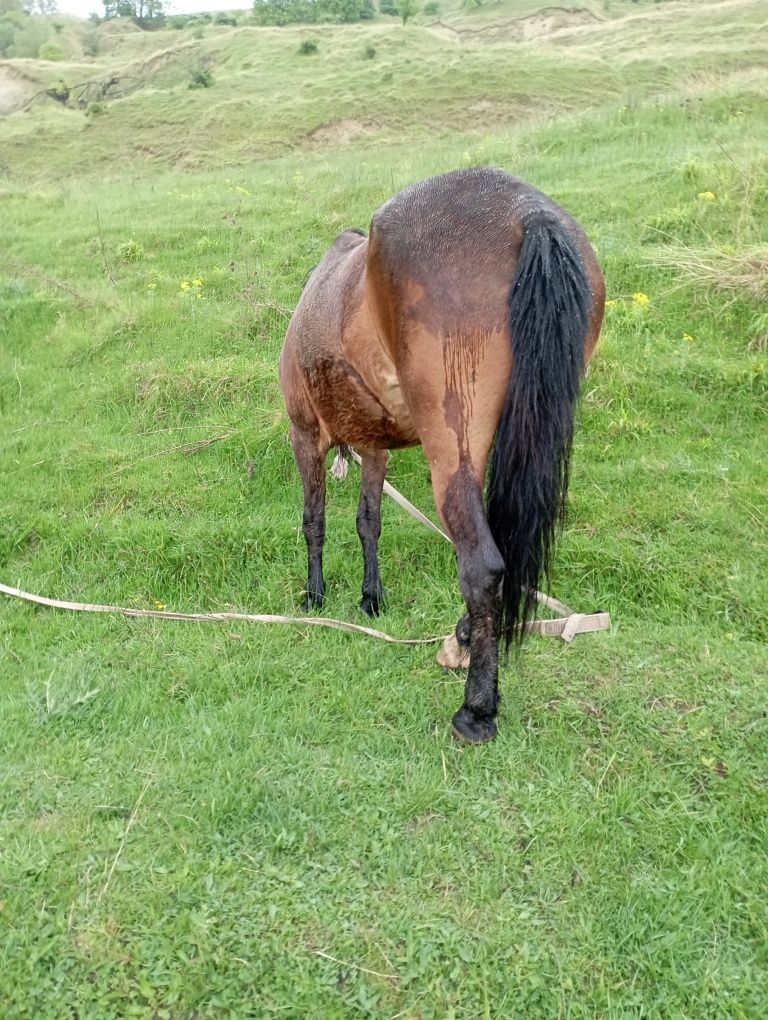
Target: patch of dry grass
x,y
743,273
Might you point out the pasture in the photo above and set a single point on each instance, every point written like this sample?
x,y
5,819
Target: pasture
x,y
215,821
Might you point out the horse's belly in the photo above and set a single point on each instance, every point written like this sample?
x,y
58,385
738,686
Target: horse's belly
x,y
353,412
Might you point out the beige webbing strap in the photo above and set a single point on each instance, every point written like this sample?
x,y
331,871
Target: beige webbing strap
x,y
164,614
550,628
570,623
406,504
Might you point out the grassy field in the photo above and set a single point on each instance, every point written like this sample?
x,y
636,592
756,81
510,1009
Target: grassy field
x,y
213,821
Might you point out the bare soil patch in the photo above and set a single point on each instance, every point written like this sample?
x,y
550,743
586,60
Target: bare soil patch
x,y
544,23
15,90
338,132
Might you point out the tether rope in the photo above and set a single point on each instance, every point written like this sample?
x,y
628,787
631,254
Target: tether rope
x,y
566,626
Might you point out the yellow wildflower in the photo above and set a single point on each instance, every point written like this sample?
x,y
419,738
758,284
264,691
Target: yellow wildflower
x,y
160,606
197,283
151,286
640,299
184,284
706,196
611,303
687,337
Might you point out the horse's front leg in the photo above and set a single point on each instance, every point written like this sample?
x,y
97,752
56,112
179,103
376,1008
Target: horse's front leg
x,y
310,457
481,569
374,464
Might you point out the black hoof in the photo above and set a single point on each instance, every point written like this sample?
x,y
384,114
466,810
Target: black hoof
x,y
371,605
470,730
311,602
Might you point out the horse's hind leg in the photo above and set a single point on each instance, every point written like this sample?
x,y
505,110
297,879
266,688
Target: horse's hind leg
x,y
310,457
369,526
480,573
441,396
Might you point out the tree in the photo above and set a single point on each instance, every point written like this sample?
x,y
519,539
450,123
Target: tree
x,y
341,10
406,9
283,12
7,35
44,7
29,37
145,13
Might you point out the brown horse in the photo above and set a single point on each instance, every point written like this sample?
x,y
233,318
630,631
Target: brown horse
x,y
464,322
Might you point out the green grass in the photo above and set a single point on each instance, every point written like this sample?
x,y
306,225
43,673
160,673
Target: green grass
x,y
226,821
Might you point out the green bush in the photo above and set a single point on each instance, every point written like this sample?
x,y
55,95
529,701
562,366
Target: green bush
x,y
369,52
30,37
91,43
94,109
432,7
7,35
202,78
406,9
388,7
50,51
131,251
225,19
308,46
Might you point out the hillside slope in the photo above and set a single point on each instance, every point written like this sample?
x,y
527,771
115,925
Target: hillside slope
x,y
268,99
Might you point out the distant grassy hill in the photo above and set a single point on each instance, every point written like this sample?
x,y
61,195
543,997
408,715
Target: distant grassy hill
x,y
499,66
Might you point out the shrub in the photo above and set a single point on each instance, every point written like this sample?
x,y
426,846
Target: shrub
x,y
131,251
7,35
388,7
50,51
91,43
432,7
202,78
369,52
225,19
406,9
199,32
30,37
94,109
308,46
59,92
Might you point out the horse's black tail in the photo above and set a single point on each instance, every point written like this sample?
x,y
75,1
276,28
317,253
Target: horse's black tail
x,y
549,307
